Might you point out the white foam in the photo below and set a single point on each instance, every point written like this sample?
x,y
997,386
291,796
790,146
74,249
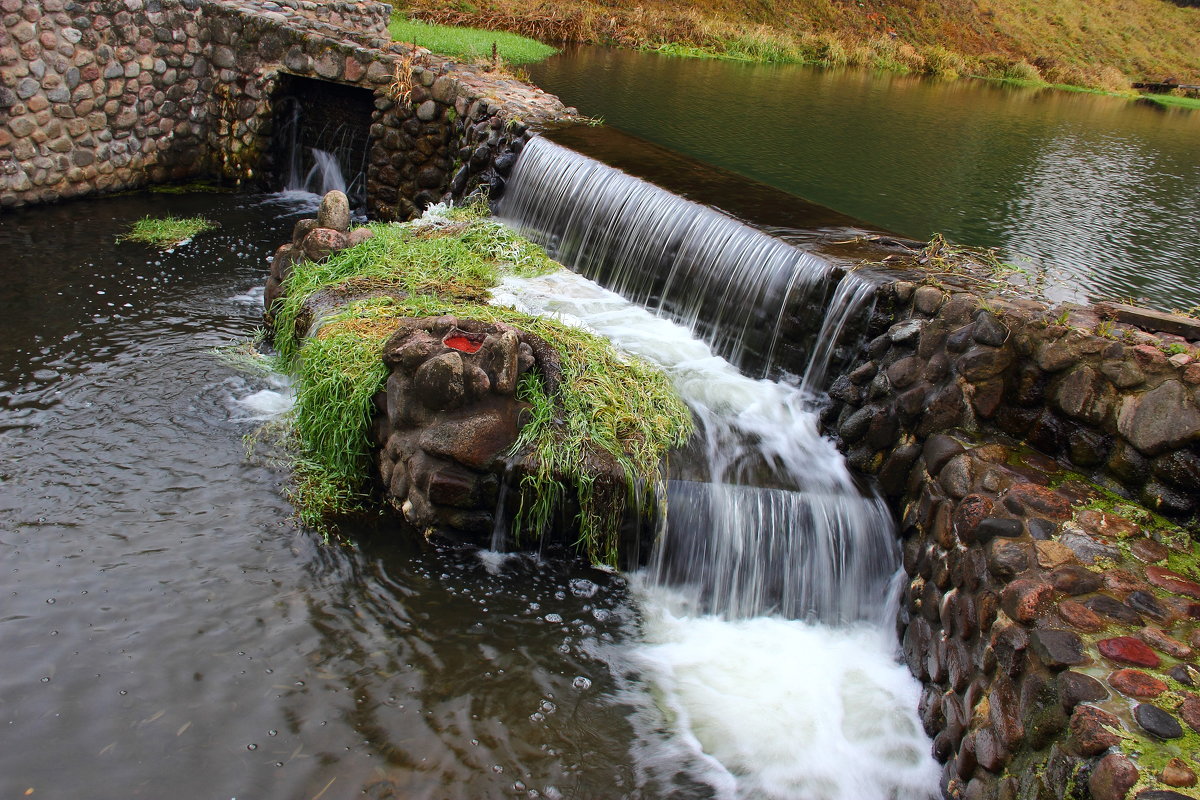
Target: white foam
x,y
777,709
251,297
267,404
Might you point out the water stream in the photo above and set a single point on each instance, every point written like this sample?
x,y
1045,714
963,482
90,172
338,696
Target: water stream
x,y
166,626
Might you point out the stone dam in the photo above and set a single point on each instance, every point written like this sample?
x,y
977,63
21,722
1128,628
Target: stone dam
x,y
1042,463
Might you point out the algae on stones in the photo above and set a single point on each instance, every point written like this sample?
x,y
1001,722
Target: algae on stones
x,y
606,403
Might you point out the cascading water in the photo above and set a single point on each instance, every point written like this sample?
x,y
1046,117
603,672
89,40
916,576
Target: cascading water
x,y
738,288
338,165
767,602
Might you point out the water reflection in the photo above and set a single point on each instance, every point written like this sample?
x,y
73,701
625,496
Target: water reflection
x,y
1097,189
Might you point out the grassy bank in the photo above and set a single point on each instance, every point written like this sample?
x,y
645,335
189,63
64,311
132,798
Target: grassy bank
x,y
606,403
469,44
1103,44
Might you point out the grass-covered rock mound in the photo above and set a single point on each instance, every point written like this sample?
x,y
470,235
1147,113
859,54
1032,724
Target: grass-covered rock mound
x,y
581,411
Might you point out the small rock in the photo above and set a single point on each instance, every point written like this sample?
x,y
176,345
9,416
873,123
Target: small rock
x,y
1127,650
1172,582
1080,616
1178,773
1006,559
1147,604
906,332
1074,580
1156,722
322,242
1190,711
1161,794
1089,727
1112,778
1085,547
1185,674
1149,551
1058,649
993,527
1075,688
1105,525
1156,637
1109,607
1136,683
1025,600
989,330
334,212
358,236
928,299
1045,501
439,381
1123,581
1051,555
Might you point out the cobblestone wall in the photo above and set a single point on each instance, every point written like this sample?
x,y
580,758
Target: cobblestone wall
x,y
105,95
1051,616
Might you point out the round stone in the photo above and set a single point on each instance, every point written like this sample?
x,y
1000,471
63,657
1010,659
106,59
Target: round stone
x,y
1136,683
1157,722
1127,650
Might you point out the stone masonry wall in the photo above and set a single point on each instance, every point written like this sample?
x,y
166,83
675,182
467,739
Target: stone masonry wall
x,y
104,95
1051,618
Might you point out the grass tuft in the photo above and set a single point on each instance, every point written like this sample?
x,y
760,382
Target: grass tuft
x,y
607,407
165,232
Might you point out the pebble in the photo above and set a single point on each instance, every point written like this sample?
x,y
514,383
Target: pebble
x,y
1136,683
1127,650
1178,773
1157,722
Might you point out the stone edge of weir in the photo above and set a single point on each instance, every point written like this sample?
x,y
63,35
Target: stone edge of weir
x,y
1044,463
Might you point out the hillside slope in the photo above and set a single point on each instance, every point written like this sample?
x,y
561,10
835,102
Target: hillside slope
x,y
1099,43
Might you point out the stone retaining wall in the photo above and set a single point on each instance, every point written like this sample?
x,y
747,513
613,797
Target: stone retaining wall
x,y
104,95
1050,616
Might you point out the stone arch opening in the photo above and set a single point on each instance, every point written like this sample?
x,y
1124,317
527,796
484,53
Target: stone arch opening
x,y
321,135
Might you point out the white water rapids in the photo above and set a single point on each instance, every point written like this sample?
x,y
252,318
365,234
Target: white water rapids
x,y
760,704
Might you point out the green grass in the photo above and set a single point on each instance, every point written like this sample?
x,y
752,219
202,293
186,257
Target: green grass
x,y
469,44
607,405
1171,100
165,232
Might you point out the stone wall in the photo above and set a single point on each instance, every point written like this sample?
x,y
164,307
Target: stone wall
x,y
1121,404
1050,616
104,95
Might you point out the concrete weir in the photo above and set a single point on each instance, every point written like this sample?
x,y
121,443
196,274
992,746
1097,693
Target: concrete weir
x,y
107,95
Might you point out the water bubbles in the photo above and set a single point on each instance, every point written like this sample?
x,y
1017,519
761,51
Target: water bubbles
x,y
251,746
553,619
582,587
537,716
50,601
582,683
601,614
272,732
45,679
123,692
549,707
496,768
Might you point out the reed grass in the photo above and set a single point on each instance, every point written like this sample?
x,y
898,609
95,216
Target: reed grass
x,y
165,232
607,405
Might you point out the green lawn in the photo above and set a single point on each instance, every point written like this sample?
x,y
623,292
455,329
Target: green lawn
x,y
469,44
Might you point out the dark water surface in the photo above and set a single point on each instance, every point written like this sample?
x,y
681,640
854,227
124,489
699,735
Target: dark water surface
x,y
1100,193
165,631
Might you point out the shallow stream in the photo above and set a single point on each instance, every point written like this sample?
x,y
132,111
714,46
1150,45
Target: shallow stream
x,y
167,631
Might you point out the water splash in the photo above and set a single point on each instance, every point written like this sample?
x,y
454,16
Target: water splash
x,y
764,517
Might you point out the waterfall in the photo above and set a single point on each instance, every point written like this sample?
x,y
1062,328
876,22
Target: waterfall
x,y
742,290
766,612
335,164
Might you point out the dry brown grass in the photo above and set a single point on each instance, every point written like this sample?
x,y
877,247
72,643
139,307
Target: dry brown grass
x,y
1101,44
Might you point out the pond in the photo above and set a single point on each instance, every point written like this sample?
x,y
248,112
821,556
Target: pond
x,y
1099,193
169,631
